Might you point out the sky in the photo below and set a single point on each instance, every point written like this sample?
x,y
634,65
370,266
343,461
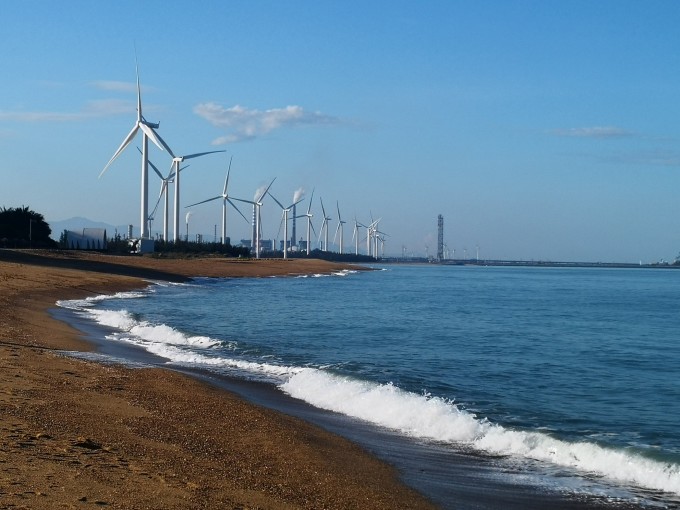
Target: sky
x,y
539,130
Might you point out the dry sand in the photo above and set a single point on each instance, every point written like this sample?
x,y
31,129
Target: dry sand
x,y
77,434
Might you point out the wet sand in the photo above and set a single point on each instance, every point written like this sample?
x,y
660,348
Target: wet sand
x,y
78,434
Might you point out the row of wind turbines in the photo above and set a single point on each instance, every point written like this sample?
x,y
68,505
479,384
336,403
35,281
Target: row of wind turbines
x,y
374,237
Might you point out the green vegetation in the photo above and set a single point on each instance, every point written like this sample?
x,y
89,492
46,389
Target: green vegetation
x,y
22,228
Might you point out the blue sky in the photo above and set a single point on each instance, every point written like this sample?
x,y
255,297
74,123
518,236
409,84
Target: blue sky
x,y
540,130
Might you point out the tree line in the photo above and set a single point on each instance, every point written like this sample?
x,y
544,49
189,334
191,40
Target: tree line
x,y
20,227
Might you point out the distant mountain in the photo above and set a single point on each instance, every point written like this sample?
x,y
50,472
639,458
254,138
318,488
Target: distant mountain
x,y
79,223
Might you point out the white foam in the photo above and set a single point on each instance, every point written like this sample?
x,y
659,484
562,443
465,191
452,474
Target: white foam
x,y
77,304
427,417
168,342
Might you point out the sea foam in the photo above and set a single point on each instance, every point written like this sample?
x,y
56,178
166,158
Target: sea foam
x,y
427,417
169,343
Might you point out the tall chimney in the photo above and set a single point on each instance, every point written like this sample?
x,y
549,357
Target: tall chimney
x,y
293,237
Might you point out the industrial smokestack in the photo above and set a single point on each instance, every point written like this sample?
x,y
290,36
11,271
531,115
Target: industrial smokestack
x,y
299,193
292,238
254,235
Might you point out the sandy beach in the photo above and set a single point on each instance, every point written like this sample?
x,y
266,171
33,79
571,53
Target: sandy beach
x,y
78,434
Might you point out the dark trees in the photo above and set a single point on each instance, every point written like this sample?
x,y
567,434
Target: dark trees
x,y
22,228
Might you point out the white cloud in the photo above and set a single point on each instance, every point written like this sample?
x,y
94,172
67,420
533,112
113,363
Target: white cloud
x,y
244,124
594,132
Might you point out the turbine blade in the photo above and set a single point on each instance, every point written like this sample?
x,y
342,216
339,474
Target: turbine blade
x,y
311,199
125,143
155,169
151,135
226,181
244,200
283,215
153,213
322,209
165,145
201,154
172,174
164,186
280,204
265,191
237,210
204,201
336,232
139,90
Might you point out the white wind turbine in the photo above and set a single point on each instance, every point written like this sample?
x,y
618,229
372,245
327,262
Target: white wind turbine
x,y
176,160
324,226
339,227
285,222
355,235
257,204
148,132
225,199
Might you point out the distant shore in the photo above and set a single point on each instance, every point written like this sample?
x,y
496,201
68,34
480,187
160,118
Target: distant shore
x,y
77,433
526,263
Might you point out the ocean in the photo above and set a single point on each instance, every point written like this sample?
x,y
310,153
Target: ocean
x,y
559,382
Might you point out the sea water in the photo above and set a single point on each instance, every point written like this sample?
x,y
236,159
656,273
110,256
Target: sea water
x,y
572,373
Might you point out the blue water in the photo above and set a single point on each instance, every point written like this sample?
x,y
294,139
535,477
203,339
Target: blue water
x,y
571,369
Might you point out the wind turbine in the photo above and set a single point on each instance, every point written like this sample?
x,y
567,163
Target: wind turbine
x,y
176,160
355,235
225,198
310,226
324,225
339,227
148,132
257,204
285,222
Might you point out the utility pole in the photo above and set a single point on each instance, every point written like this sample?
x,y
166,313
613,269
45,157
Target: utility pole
x,y
30,233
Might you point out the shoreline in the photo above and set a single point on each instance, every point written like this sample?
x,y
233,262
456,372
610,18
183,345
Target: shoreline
x,y
77,432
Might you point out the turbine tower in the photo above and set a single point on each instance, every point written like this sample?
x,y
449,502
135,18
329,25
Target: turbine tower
x,y
339,227
310,226
148,132
324,225
355,235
